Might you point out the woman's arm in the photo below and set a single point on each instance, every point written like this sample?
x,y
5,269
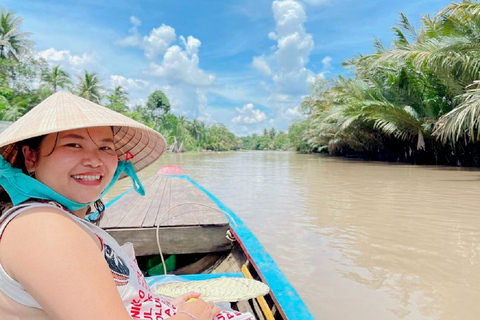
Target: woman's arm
x,y
61,266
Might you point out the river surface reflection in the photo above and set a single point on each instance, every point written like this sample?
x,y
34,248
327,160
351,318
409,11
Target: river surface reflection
x,y
358,240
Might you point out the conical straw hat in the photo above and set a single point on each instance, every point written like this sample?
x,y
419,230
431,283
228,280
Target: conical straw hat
x,y
65,111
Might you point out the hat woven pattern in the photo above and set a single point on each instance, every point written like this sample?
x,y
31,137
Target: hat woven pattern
x,y
65,111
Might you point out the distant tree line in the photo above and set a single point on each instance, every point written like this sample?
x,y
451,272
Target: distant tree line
x,y
417,102
26,79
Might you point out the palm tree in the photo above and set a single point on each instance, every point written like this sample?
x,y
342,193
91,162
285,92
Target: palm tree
x,y
89,87
56,78
14,109
12,41
464,120
447,46
118,99
197,129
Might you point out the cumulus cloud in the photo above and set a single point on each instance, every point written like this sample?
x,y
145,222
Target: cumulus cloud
x,y
128,83
287,65
69,62
173,64
154,44
191,45
261,65
158,42
179,66
134,38
327,62
293,112
172,60
248,115
294,46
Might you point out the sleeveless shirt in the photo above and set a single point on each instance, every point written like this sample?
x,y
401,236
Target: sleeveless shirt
x,y
136,295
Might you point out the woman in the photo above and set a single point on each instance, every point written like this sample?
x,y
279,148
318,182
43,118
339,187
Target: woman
x,y
57,161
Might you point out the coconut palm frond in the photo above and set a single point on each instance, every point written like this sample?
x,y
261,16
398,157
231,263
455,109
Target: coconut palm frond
x,y
378,46
464,8
464,120
407,26
13,42
89,87
400,38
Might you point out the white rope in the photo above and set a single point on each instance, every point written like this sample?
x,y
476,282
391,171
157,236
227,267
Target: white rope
x,y
178,205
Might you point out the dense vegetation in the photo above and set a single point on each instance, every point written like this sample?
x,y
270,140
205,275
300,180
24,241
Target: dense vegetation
x,y
417,102
26,79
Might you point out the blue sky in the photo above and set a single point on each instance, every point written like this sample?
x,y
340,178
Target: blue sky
x,y
244,63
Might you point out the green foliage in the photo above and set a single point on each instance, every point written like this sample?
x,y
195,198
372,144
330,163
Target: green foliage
x,y
55,78
118,100
416,102
297,134
13,42
89,87
20,72
269,140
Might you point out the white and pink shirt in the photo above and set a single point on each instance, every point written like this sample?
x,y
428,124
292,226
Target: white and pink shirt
x,y
137,296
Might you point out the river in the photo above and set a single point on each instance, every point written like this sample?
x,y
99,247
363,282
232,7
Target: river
x,y
358,240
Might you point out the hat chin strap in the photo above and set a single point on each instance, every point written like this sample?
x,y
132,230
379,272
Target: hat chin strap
x,y
127,168
21,187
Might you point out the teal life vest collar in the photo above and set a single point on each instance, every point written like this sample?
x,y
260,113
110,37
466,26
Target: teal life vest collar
x,y
21,187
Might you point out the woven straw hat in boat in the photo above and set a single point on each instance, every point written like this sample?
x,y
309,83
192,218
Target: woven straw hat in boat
x,y
224,289
62,111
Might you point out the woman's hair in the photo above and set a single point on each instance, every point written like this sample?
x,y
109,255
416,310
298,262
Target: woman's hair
x,y
34,144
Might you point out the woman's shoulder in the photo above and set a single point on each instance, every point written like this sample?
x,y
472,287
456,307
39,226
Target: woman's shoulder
x,y
41,222
40,233
42,215
44,221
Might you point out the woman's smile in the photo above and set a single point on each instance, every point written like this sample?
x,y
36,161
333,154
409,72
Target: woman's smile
x,y
90,178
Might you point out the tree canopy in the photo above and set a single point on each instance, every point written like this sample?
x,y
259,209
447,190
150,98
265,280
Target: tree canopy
x,y
416,102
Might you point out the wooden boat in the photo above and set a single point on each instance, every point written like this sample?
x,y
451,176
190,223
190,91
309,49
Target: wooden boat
x,y
179,219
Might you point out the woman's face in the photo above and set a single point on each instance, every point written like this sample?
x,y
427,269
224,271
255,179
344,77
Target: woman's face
x,y
78,164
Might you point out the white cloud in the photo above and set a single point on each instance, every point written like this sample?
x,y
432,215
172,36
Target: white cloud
x,y
205,117
248,115
135,22
133,39
187,100
171,62
179,66
191,45
261,65
155,44
128,83
292,112
293,47
272,36
287,66
158,42
327,63
173,67
72,64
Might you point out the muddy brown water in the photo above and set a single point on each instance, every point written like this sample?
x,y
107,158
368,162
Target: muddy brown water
x,y
358,240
